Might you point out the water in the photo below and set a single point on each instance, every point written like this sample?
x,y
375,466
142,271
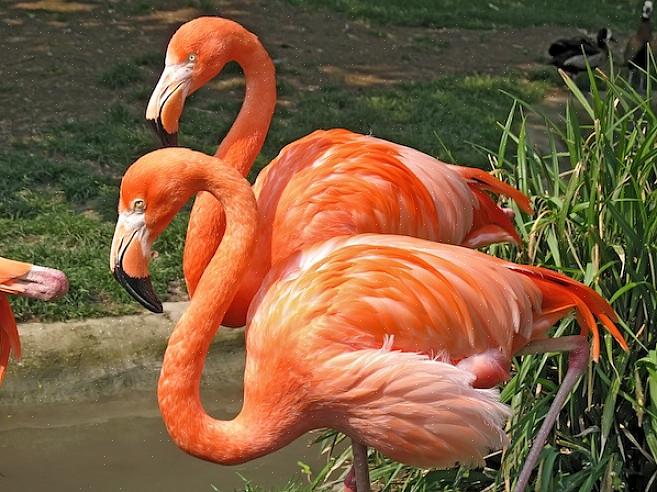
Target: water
x,y
121,445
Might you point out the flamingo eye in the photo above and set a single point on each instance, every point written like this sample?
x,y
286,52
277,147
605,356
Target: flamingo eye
x,y
191,57
139,205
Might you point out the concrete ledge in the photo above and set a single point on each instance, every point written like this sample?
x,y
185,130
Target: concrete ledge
x,y
96,358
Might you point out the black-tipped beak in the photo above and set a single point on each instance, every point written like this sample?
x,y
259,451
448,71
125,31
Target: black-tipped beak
x,y
139,288
166,139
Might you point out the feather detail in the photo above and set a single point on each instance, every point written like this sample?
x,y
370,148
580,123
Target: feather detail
x,y
563,293
480,179
413,408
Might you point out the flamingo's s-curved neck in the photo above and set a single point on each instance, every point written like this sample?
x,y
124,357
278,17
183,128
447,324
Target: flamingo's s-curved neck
x,y
239,149
241,145
179,385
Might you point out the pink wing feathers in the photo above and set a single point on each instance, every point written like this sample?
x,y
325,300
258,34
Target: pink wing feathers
x,y
412,408
432,298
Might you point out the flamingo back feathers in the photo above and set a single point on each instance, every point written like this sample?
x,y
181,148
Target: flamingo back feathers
x,y
432,298
340,182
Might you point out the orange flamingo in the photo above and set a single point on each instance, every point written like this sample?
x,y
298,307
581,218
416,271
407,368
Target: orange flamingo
x,y
23,279
384,338
326,184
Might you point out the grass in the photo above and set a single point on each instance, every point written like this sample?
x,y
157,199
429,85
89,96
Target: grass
x,y
60,190
591,14
59,199
439,118
596,220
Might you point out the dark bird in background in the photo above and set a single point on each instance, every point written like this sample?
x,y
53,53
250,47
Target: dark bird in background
x,y
571,54
636,50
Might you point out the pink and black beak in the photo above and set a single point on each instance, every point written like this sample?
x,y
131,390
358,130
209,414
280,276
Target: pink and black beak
x,y
36,282
129,259
167,101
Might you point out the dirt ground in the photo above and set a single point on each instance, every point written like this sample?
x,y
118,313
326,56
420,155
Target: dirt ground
x,y
56,51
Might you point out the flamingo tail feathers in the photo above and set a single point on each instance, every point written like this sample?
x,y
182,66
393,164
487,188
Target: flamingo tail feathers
x,y
482,180
491,223
562,294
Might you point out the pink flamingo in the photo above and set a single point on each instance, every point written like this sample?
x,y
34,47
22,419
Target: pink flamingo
x,y
23,279
329,183
384,338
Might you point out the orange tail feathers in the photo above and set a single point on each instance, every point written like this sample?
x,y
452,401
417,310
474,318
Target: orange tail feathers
x,y
490,224
9,340
562,293
480,179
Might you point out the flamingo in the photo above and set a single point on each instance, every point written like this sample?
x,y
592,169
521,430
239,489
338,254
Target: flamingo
x,y
329,183
395,341
23,279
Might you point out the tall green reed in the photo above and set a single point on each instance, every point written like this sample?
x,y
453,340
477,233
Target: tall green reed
x,y
595,196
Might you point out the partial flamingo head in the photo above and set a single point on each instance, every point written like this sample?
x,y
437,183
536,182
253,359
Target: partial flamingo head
x,y
153,189
23,279
197,52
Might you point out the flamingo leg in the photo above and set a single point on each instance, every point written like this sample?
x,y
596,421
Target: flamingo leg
x,y
579,355
360,467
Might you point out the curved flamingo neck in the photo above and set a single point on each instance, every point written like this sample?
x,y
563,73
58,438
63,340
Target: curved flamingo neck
x,y
238,149
241,145
179,386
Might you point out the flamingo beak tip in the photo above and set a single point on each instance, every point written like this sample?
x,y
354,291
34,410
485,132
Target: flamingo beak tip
x,y
167,139
141,289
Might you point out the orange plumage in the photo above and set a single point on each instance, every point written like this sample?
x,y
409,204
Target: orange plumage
x,y
384,337
326,184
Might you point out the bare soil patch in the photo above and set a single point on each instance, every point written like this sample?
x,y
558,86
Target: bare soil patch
x,y
57,51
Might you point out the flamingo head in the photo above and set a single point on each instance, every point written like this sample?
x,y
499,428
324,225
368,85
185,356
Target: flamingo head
x,y
197,52
151,195
23,279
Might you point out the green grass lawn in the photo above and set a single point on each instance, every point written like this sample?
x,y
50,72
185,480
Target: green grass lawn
x,y
60,191
591,14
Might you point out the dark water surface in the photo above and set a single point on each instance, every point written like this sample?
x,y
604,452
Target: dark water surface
x,y
121,445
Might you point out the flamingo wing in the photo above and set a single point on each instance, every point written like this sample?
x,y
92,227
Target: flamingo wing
x,y
431,298
413,408
337,182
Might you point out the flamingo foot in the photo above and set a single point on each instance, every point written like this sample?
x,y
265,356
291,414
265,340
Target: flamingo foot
x,y
350,481
578,347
